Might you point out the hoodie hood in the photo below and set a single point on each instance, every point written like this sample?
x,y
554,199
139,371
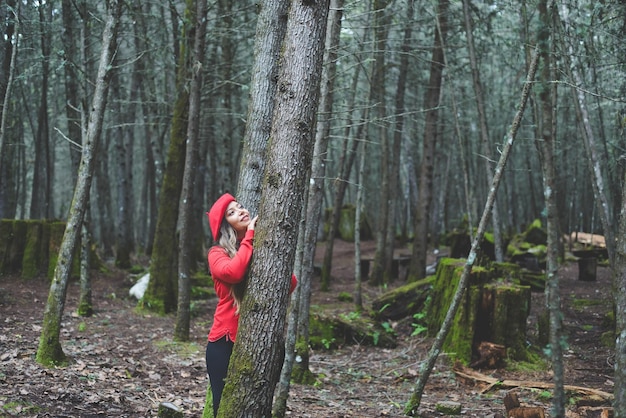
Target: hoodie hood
x,y
217,213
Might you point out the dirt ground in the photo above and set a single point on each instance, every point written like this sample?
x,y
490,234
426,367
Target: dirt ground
x,y
125,363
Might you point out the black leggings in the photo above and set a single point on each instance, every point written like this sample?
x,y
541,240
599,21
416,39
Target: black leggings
x,y
217,359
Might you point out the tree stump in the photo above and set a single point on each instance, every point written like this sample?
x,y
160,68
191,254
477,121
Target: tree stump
x,y
587,267
492,310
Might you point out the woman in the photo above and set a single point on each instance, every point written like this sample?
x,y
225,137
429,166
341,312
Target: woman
x,y
229,259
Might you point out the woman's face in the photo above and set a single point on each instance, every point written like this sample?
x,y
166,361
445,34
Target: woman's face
x,y
238,217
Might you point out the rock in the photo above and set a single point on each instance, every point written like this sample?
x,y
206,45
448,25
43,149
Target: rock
x,y
140,287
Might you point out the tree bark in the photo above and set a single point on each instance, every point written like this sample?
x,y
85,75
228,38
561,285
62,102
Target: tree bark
x,y
41,200
426,368
162,292
314,201
50,351
258,352
417,267
381,266
270,33
186,205
545,146
6,85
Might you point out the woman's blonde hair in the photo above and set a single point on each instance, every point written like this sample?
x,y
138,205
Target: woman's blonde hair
x,y
228,241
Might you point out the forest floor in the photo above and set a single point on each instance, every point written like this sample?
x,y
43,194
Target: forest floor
x,y
124,363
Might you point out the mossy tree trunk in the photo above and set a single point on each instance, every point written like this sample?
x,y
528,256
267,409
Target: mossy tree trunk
x,y
258,353
162,293
50,351
187,202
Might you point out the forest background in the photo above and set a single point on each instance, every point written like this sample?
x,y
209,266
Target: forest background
x,y
55,64
424,103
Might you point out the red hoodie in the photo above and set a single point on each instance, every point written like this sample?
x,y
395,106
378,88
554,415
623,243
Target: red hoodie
x,y
226,272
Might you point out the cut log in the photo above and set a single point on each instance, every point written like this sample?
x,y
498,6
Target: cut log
x,y
404,301
491,382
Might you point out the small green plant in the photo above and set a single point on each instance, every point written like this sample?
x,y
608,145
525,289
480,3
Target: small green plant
x,y
82,327
327,343
417,325
351,316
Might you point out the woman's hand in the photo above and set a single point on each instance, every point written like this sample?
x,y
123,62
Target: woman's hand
x,y
252,223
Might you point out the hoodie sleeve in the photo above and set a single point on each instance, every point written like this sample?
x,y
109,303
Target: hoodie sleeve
x,y
231,270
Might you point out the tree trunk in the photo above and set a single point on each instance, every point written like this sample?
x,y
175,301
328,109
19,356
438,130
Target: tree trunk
x,y
619,281
597,182
314,201
417,267
545,146
50,351
162,292
258,353
381,266
185,227
123,143
270,32
41,201
6,84
484,130
426,368
72,87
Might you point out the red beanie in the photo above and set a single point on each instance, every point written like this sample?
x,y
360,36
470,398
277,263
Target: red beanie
x,y
217,212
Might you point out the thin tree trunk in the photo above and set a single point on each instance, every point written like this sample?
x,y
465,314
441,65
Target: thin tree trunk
x,y
345,166
597,183
185,240
417,267
545,146
258,353
41,201
358,282
484,130
6,86
396,145
426,368
50,351
85,301
381,265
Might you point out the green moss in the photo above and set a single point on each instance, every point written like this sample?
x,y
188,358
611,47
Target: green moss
x,y
345,297
581,304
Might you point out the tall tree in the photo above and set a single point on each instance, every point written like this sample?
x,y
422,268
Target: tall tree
x,y
10,12
50,351
41,202
162,292
258,352
545,146
314,203
381,266
417,267
482,121
187,199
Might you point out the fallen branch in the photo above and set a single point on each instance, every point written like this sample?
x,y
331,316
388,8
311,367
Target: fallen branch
x,y
492,381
